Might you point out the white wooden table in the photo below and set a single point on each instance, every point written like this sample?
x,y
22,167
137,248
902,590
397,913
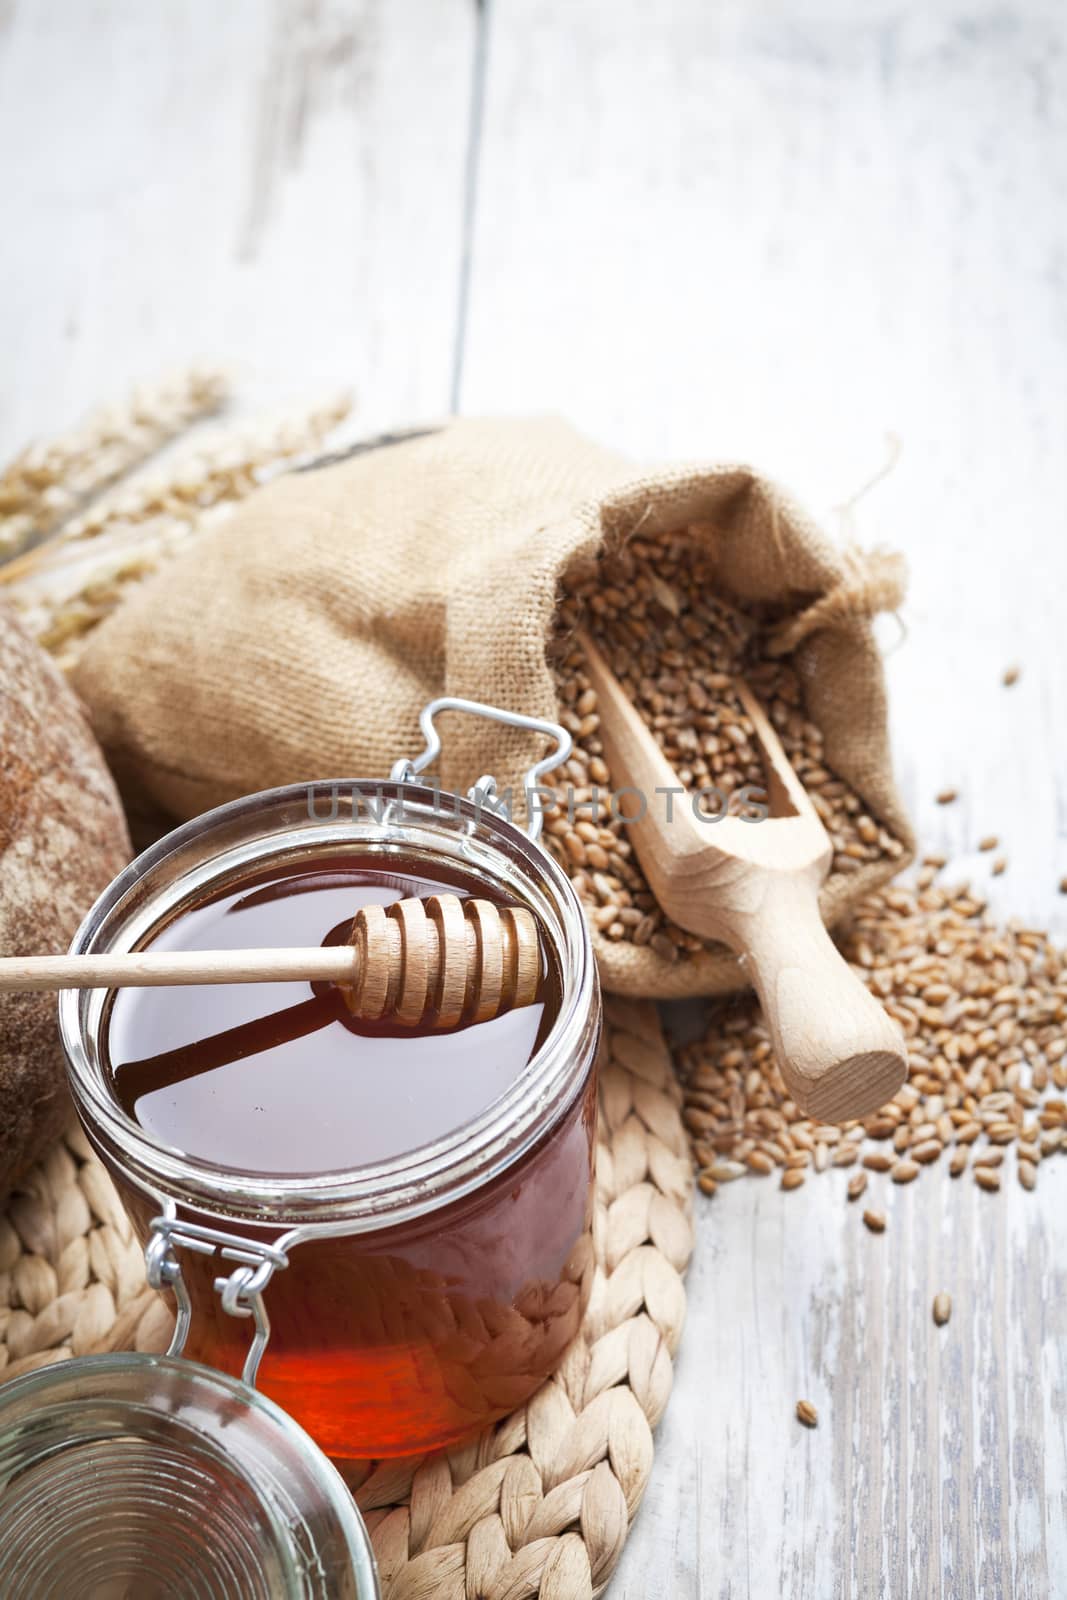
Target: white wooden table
x,y
785,230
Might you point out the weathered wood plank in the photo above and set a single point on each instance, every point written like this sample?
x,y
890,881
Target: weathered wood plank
x,y
278,186
937,1468
784,233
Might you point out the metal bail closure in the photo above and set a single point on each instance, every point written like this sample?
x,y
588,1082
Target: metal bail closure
x,y
241,1292
484,792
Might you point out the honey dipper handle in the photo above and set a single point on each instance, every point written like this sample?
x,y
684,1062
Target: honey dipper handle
x,y
840,1053
438,961
157,969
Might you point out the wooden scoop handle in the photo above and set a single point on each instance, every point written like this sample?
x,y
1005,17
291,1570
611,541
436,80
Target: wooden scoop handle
x,y
442,961
840,1054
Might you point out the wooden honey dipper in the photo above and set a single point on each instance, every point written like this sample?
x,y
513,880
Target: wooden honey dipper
x,y
441,959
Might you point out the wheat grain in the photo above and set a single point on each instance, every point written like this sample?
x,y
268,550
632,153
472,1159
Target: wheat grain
x,y
984,1009
676,648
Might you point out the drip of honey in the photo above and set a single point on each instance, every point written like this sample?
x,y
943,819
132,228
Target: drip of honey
x,y
416,1334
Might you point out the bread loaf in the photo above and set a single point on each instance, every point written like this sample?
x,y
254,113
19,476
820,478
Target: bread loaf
x,y
62,838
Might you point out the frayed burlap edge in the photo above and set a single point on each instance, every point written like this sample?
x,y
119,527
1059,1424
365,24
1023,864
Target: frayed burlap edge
x,y
541,1504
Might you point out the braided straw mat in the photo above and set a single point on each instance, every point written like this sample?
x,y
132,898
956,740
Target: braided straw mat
x,y
539,1505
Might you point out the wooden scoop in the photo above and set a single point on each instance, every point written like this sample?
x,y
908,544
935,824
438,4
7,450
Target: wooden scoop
x,y
442,960
755,887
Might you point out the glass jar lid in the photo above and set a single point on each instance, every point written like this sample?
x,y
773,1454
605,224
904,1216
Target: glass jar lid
x,y
142,1477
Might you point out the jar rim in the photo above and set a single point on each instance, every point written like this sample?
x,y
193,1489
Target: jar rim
x,y
413,1182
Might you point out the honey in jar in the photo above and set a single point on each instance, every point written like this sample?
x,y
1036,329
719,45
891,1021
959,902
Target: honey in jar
x,y
429,1190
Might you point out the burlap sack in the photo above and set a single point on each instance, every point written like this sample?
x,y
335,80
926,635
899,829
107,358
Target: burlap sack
x,y
301,638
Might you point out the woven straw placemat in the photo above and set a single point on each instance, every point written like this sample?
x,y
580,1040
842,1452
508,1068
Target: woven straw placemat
x,y
539,1505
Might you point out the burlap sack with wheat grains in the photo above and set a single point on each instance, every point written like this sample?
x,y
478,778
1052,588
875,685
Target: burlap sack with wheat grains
x,y
302,638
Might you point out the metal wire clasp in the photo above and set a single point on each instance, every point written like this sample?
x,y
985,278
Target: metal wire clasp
x,y
484,792
241,1293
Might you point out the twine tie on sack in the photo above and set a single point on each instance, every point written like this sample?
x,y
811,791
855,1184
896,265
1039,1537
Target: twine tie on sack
x,y
874,581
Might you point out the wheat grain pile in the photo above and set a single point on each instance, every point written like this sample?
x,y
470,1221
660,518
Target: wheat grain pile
x,y
676,647
983,1007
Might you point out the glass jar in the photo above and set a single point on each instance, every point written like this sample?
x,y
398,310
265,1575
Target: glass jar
x,y
129,1474
410,1302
